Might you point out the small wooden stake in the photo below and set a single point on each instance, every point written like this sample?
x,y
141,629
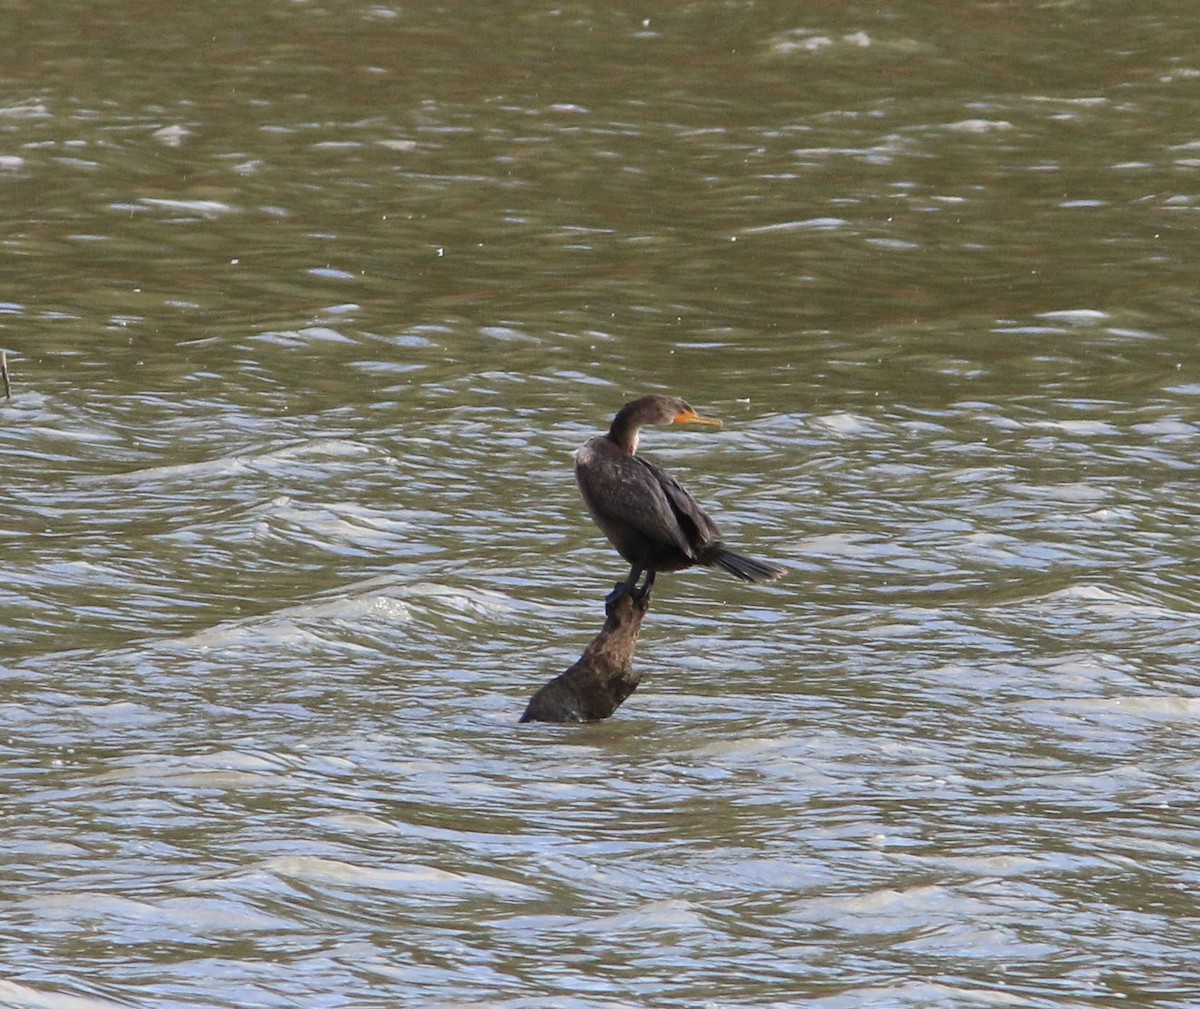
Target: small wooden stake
x,y
603,677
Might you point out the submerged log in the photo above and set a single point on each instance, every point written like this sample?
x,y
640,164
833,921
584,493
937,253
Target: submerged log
x,y
595,686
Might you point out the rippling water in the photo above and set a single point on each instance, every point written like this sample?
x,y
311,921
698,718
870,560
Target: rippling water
x,y
307,313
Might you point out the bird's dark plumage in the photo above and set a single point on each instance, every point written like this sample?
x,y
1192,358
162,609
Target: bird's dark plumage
x,y
653,522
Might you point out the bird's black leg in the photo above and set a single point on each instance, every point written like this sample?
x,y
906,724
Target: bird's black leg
x,y
644,592
625,588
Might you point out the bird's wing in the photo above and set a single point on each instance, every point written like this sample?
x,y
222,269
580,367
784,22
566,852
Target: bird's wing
x,y
693,520
633,493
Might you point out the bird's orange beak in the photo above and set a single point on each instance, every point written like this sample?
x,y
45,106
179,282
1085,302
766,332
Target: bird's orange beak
x,y
691,417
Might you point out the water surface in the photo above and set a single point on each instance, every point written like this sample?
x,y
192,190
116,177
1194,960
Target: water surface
x,y
307,306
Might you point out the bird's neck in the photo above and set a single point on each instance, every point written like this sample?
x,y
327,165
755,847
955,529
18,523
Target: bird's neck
x,y
624,434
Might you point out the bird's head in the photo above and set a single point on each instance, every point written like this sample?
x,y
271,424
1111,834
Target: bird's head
x,y
658,409
655,409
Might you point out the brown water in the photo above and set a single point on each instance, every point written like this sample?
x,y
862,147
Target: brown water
x,y
307,305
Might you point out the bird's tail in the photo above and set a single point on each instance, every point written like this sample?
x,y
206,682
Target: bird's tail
x,y
745,568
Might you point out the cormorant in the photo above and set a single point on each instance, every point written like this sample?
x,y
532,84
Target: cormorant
x,y
652,521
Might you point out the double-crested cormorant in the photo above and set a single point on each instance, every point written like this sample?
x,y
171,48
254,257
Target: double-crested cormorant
x,y
653,522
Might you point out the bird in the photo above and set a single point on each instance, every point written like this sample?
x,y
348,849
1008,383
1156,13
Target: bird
x,y
653,522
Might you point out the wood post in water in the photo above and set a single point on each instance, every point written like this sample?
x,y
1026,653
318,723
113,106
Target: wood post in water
x,y
603,677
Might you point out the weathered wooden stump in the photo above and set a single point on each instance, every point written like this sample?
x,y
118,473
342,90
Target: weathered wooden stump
x,y
595,686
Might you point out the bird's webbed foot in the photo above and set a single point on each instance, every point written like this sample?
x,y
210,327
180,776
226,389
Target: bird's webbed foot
x,y
639,594
614,597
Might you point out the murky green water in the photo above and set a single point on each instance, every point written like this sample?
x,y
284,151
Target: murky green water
x,y
307,306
